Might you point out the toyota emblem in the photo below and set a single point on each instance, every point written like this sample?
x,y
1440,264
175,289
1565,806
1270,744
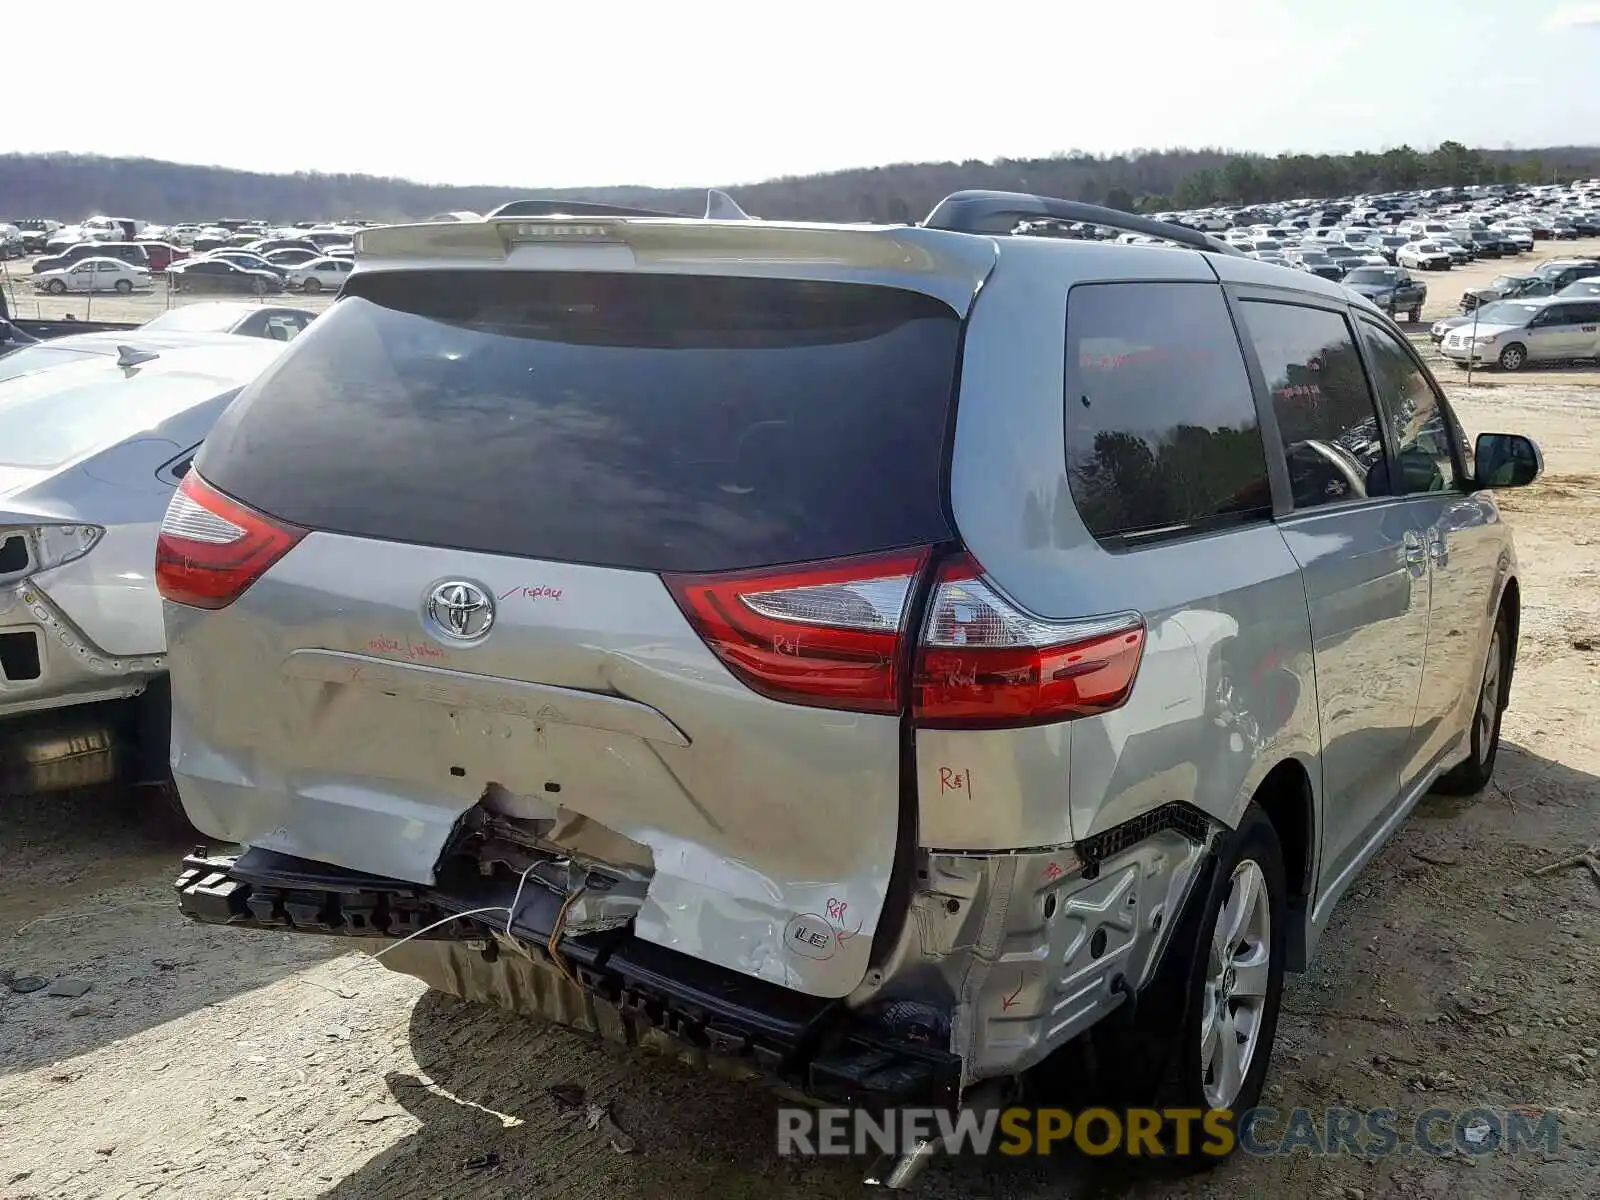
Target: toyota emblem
x,y
460,610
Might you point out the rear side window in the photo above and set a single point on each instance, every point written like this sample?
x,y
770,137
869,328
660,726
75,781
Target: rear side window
x,y
1326,418
1161,431
654,422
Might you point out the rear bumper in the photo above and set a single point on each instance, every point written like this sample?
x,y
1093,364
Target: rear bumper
x,y
629,989
1001,960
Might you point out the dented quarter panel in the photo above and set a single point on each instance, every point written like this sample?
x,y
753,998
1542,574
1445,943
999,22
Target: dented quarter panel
x,y
1026,951
771,826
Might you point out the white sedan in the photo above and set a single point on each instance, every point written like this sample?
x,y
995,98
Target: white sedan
x,y
94,275
1423,256
320,274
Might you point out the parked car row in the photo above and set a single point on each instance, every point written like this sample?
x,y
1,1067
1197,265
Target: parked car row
x,y
1516,216
243,271
124,268
264,259
1421,231
147,255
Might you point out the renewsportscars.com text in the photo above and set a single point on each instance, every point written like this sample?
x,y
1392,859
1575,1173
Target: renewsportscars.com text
x,y
1154,1133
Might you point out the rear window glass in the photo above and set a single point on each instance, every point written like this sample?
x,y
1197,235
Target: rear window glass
x,y
1162,435
655,422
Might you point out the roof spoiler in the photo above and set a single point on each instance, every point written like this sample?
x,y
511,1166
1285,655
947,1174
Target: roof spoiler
x,y
1001,213
719,207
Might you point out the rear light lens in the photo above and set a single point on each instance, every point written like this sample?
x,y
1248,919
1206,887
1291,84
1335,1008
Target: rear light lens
x,y
827,635
983,662
212,548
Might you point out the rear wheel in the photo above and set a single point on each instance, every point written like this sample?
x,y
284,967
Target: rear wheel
x,y
1513,357
124,286
1415,315
1222,1046
1472,776
1202,1031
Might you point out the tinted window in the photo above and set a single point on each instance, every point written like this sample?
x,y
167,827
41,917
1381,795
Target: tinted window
x,y
1421,430
1161,430
665,423
1325,413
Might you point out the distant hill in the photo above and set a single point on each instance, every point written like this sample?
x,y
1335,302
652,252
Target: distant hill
x,y
72,186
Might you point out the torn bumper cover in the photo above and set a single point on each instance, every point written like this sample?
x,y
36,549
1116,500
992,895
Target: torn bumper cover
x,y
629,989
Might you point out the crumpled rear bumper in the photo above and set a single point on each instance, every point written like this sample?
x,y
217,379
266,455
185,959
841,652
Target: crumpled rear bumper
x,y
54,663
628,989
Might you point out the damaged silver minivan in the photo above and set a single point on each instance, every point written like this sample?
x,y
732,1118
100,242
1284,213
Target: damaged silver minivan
x,y
891,658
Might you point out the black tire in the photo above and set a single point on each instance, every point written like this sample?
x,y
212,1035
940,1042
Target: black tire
x,y
311,286
1513,357
259,286
1255,841
123,286
1416,315
1472,776
55,287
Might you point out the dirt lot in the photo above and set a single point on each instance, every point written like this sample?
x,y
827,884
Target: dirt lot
x,y
209,1063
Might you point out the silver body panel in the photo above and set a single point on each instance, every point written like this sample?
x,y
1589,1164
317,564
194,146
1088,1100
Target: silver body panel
x,y
1316,639
97,618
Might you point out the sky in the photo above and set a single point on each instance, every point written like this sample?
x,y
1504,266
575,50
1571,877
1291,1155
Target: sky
x,y
544,94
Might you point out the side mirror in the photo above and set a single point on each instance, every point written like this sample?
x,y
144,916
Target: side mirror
x,y
1506,460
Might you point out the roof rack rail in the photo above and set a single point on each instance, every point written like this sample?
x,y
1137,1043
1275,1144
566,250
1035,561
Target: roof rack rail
x,y
719,207
989,212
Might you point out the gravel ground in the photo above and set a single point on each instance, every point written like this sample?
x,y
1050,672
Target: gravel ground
x,y
210,1063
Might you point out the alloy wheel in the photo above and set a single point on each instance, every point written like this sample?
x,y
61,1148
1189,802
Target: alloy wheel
x,y
1239,964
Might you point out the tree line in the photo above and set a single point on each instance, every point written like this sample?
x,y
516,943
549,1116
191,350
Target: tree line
x,y
73,186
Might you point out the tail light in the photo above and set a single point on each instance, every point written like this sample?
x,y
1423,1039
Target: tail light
x,y
827,635
833,634
211,548
984,663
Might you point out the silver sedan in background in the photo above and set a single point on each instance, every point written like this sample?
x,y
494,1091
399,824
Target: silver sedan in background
x,y
95,432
